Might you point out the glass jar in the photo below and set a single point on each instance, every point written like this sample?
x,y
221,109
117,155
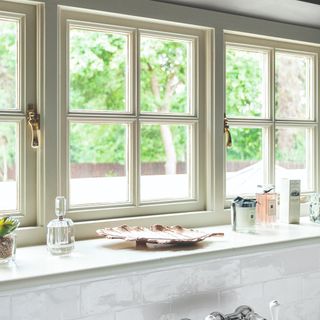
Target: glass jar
x,y
7,248
314,207
243,215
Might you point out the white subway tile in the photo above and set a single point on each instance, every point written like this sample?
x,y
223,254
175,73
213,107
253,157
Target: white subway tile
x,y
147,312
251,295
301,259
109,295
311,285
104,316
5,306
196,306
52,303
286,291
163,286
64,302
303,310
218,274
261,267
30,306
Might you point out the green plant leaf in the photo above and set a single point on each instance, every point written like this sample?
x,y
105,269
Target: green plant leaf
x,y
8,225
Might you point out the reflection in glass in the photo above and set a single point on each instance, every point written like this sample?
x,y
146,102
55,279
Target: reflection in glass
x,y
98,163
292,156
8,64
8,166
244,162
246,82
165,75
98,70
165,162
293,85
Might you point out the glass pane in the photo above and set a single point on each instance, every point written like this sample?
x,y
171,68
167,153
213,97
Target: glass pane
x,y
293,85
246,82
165,75
98,70
244,161
98,163
165,162
292,156
8,64
8,166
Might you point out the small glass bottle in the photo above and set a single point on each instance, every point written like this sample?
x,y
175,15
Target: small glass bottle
x,y
60,231
266,205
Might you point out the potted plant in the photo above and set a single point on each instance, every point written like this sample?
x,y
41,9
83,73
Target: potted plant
x,y
7,238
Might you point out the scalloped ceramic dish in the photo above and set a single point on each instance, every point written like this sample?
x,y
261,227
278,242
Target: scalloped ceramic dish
x,y
157,234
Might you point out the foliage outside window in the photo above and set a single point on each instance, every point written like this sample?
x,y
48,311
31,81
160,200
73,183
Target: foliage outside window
x,y
271,114
130,119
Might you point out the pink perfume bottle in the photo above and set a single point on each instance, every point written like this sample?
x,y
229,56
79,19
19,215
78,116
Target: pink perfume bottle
x,y
266,210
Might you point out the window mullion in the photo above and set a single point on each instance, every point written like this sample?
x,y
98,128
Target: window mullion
x,y
134,184
269,153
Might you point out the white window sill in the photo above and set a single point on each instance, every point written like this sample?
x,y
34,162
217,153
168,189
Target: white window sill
x,y
101,257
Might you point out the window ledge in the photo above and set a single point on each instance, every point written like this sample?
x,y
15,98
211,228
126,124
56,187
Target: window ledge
x,y
100,257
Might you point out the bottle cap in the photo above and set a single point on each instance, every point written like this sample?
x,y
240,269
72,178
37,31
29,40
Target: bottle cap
x,y
266,188
61,206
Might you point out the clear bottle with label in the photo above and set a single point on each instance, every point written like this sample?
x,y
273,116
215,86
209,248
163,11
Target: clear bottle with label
x,y
60,231
266,205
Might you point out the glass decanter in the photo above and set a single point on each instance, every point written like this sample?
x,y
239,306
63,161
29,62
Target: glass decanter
x,y
60,231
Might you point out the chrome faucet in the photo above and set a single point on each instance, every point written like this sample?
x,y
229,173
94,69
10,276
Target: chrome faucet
x,y
241,313
244,313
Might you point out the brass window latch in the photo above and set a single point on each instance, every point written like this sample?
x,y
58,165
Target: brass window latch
x,y
33,119
227,133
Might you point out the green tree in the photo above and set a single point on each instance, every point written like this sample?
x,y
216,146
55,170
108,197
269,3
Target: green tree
x,y
243,98
98,81
8,94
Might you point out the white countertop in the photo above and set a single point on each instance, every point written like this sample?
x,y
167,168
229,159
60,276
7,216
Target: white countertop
x,y
101,257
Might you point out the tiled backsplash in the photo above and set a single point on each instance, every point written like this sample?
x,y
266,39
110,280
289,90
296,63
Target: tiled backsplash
x,y
290,275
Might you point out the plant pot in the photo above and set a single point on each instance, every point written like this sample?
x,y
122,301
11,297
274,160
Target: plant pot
x,y
7,248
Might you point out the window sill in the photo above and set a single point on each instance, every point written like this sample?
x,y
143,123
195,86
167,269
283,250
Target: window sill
x,y
100,257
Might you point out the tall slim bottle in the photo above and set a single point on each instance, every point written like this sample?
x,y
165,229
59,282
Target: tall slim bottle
x,y
266,209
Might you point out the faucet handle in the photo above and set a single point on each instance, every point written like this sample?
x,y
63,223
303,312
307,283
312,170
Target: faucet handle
x,y
274,309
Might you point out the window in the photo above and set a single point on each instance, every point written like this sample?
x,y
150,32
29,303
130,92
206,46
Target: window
x,y
131,116
271,108
17,90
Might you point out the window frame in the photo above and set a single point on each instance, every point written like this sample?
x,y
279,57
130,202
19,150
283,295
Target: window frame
x,y
48,96
28,201
269,123
135,27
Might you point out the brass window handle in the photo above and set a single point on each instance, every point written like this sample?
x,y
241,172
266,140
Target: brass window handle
x,y
33,119
227,133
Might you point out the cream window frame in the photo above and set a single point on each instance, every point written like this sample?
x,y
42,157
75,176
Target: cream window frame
x,y
197,117
28,18
269,122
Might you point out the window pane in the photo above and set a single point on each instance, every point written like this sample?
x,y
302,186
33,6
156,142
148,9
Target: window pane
x,y
246,82
98,163
8,64
292,155
98,70
293,85
165,75
8,166
165,162
244,161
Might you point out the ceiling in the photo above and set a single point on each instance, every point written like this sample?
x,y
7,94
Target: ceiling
x,y
292,11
